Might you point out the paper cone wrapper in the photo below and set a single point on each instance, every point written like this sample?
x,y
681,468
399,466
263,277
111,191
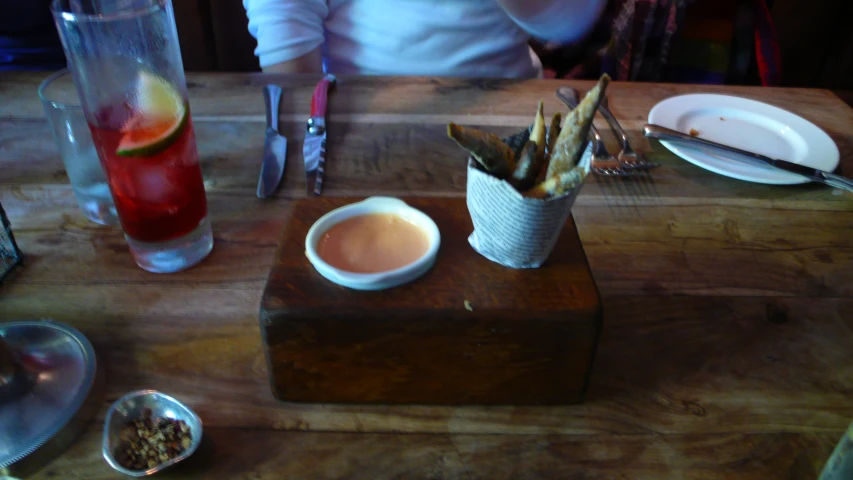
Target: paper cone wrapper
x,y
512,230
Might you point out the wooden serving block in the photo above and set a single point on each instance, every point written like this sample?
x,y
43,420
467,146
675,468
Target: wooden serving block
x,y
470,331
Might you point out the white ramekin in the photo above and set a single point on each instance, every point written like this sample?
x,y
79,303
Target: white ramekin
x,y
381,280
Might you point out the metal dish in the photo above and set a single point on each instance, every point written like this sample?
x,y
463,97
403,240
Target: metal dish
x,y
50,390
130,407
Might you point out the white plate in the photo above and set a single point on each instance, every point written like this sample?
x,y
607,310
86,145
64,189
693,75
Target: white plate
x,y
748,125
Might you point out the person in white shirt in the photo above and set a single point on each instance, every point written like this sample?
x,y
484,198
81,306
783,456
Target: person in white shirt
x,y
468,38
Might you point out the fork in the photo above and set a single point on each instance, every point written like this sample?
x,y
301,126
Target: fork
x,y
602,163
627,157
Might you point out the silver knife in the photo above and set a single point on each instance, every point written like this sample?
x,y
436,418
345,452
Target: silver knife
x,y
275,145
752,158
314,148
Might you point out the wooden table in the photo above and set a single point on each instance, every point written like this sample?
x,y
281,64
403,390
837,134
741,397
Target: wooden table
x,y
726,351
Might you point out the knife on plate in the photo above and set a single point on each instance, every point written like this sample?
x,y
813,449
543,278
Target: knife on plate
x,y
752,158
314,148
275,145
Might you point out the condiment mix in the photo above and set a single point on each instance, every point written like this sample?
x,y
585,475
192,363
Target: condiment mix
x,y
372,243
148,442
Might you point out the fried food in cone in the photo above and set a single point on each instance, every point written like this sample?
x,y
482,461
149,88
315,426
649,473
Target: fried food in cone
x,y
489,150
573,137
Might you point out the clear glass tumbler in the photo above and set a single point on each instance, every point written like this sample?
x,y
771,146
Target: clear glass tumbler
x,y
129,75
76,149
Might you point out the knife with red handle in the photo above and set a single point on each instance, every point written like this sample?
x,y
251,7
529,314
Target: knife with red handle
x,y
314,148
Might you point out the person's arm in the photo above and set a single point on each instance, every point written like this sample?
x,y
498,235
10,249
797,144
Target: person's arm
x,y
289,34
562,21
311,62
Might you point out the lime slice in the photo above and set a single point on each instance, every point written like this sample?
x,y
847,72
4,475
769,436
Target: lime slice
x,y
158,119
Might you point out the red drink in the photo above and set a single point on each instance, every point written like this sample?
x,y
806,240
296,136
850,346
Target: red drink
x,y
126,62
158,197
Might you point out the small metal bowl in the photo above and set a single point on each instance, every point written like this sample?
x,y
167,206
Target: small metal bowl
x,y
131,407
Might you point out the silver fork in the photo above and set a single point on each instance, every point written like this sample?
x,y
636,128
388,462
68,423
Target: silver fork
x,y
627,157
602,163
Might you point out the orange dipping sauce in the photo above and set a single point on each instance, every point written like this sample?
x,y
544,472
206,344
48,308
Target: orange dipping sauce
x,y
372,243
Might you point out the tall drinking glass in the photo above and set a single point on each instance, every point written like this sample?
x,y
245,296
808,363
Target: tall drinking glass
x,y
129,75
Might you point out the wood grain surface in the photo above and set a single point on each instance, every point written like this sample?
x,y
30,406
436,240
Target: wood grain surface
x,y
728,316
229,454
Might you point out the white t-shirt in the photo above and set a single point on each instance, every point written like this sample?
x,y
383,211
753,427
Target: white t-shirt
x,y
414,37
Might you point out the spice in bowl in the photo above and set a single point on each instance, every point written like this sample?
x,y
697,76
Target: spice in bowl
x,y
149,441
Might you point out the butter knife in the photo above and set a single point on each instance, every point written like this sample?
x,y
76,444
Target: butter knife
x,y
314,148
752,158
275,145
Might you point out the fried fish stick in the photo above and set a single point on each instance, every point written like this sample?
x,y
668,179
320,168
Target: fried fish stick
x,y
537,134
553,132
572,139
558,184
489,150
527,169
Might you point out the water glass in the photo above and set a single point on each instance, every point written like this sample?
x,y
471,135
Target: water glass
x,y
74,140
